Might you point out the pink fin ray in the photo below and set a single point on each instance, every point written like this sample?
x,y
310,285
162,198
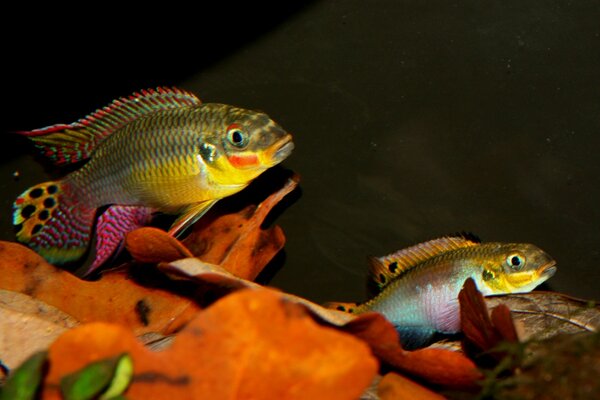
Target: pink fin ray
x,y
112,227
69,143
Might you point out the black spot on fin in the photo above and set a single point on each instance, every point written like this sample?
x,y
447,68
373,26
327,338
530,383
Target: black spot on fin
x,y
386,269
470,236
344,307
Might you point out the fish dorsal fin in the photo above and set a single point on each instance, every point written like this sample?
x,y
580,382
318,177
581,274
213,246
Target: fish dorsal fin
x,y
69,143
342,306
385,269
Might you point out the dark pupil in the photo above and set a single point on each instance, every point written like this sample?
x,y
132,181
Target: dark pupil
x,y
515,261
237,137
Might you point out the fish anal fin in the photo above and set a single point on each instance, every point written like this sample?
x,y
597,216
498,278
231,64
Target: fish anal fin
x,y
113,225
70,143
384,270
189,216
350,308
415,337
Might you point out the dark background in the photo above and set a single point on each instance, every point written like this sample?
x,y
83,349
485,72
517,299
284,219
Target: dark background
x,y
411,119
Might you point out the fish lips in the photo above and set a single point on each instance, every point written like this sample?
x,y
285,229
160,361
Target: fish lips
x,y
548,271
282,149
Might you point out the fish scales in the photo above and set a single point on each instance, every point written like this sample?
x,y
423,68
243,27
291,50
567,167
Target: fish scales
x,y
420,285
159,150
163,145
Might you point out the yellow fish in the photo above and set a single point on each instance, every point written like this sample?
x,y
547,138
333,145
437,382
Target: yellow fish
x,y
156,150
420,284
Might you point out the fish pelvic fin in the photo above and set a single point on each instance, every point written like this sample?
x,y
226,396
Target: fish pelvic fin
x,y
52,222
70,143
384,270
189,216
350,308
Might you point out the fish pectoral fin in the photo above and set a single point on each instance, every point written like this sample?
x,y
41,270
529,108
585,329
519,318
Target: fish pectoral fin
x,y
190,214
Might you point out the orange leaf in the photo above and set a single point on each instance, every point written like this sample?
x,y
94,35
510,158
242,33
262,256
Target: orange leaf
x,y
153,245
443,367
250,344
114,298
218,278
482,332
236,241
474,318
502,320
397,387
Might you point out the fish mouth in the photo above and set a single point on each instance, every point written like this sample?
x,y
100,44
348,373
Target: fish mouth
x,y
282,149
548,270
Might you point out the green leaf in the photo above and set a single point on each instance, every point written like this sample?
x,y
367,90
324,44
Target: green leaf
x,y
24,382
97,378
122,378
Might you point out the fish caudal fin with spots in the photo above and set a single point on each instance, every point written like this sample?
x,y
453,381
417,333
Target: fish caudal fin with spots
x,y
52,222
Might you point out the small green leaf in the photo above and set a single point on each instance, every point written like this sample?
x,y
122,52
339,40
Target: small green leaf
x,y
24,382
92,380
121,379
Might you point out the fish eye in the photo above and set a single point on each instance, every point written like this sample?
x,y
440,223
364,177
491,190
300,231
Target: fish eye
x,y
515,261
236,136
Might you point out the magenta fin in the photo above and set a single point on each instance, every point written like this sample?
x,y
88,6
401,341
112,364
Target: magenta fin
x,y
69,143
112,227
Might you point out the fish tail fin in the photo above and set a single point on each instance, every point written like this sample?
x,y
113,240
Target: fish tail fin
x,y
70,143
50,220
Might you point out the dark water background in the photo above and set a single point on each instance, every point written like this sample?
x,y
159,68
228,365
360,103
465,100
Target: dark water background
x,y
411,119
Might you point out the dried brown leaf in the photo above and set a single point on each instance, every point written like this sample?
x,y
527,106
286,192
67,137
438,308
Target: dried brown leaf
x,y
541,315
397,387
482,333
236,241
41,322
153,245
442,367
203,272
438,366
115,297
251,344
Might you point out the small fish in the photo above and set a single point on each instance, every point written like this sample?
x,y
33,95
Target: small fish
x,y
155,151
420,285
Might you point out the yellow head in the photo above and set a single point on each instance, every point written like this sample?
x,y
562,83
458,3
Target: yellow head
x,y
513,268
241,145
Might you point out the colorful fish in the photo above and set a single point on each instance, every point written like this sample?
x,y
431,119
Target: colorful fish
x,y
420,284
156,150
